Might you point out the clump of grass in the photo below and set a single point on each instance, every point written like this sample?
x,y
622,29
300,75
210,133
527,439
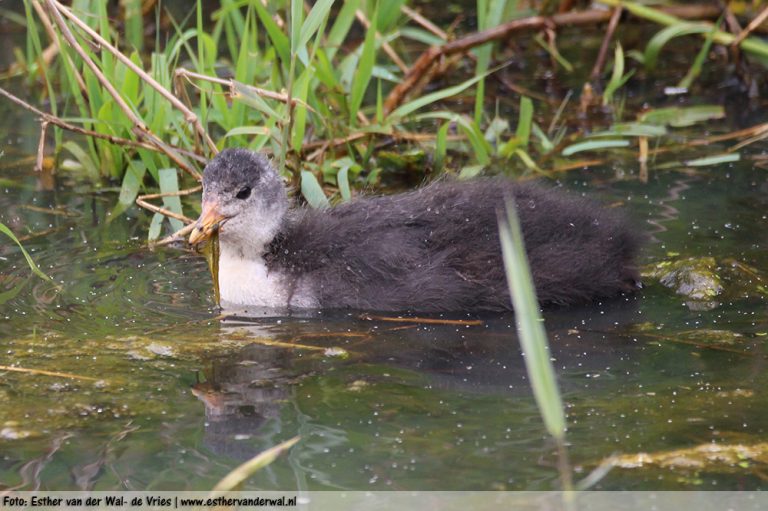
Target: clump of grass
x,y
303,84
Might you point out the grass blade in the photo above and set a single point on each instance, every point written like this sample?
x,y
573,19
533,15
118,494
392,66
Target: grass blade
x,y
714,160
695,70
297,16
523,132
279,40
341,25
665,35
247,469
617,76
315,17
631,129
312,191
364,70
680,117
342,181
530,326
169,183
428,99
593,145
32,266
134,175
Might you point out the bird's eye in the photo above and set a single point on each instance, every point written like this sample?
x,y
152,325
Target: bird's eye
x,y
244,193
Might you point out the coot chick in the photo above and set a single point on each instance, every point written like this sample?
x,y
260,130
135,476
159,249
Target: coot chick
x,y
432,249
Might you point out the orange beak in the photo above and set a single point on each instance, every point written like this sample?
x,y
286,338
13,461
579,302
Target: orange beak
x,y
209,222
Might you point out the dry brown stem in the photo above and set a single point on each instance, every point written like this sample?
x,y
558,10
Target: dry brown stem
x,y
56,121
189,115
141,200
424,22
433,55
232,84
603,53
391,53
139,129
176,236
759,19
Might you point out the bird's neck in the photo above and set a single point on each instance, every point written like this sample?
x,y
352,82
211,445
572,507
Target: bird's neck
x,y
249,237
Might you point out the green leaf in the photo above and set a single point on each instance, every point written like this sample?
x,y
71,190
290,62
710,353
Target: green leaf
x,y
132,180
155,226
683,116
523,132
315,17
297,16
341,25
470,171
250,96
714,160
300,91
389,13
665,35
32,266
169,183
631,129
13,292
420,35
247,130
279,39
594,145
530,325
312,191
546,144
695,69
617,76
342,181
441,146
364,70
83,158
480,145
428,99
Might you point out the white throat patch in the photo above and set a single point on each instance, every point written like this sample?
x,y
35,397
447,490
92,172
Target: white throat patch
x,y
244,281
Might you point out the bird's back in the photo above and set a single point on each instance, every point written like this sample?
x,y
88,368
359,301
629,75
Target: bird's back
x,y
437,248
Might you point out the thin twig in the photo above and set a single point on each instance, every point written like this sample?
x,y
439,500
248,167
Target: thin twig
x,y
189,115
57,121
233,84
360,15
140,200
424,22
41,147
176,236
750,28
428,321
47,373
178,193
603,53
435,54
139,129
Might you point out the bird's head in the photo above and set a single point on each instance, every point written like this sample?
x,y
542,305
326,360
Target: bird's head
x,y
244,199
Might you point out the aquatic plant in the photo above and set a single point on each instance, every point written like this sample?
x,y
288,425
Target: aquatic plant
x,y
326,99
533,337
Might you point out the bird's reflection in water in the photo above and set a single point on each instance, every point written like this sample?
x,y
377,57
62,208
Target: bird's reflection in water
x,y
245,392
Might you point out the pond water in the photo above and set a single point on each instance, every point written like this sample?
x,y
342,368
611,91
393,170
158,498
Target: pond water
x,y
160,393
165,395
